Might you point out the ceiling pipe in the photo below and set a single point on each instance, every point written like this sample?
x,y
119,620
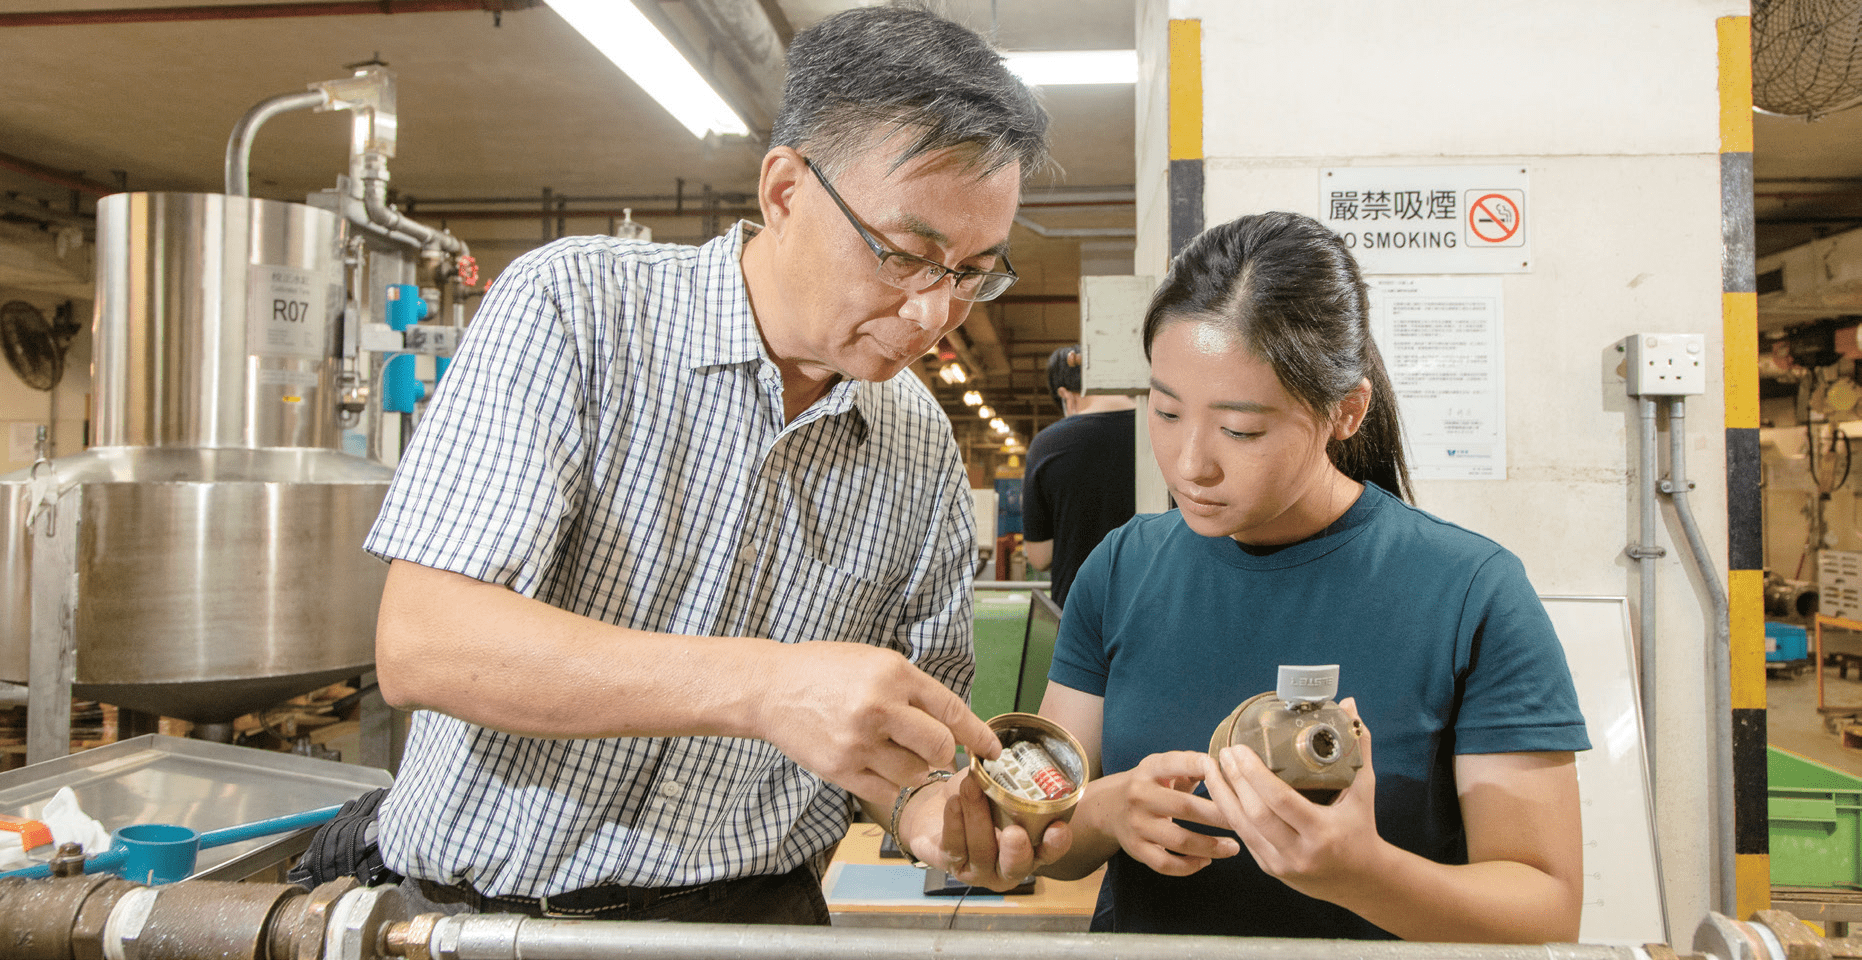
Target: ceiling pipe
x,y
1036,299
1034,200
33,211
597,213
1076,232
257,11
60,178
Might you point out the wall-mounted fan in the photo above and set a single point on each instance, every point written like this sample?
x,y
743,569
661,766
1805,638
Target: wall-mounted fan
x,y
34,347
1806,56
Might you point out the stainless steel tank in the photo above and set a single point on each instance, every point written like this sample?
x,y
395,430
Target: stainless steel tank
x,y
219,558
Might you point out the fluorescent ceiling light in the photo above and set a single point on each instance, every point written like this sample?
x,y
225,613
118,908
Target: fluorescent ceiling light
x,y
1052,68
624,35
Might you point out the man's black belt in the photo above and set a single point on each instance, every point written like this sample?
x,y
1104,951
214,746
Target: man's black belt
x,y
599,902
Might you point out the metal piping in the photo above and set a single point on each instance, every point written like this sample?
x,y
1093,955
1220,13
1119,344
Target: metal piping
x,y
1031,200
1646,551
1071,232
470,937
594,213
43,214
257,11
69,181
375,201
1720,657
100,915
239,145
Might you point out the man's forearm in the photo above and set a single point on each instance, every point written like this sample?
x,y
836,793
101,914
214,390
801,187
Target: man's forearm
x,y
487,655
861,717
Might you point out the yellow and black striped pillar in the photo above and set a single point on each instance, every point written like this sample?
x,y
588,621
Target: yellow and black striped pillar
x,y
1186,132
1745,535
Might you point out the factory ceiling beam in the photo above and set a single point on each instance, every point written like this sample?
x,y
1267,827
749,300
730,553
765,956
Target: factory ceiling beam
x,y
1037,299
986,343
257,11
741,35
570,213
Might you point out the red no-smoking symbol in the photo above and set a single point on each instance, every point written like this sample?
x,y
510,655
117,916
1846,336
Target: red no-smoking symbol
x,y
1494,217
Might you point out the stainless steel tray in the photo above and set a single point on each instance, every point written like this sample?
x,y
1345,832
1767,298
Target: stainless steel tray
x,y
196,784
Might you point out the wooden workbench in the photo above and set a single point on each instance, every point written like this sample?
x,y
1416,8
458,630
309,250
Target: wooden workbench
x,y
864,890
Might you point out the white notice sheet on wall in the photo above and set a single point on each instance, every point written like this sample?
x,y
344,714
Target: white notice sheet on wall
x,y
1441,339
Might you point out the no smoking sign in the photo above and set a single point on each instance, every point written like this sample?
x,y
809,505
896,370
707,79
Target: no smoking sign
x,y
1430,220
1495,218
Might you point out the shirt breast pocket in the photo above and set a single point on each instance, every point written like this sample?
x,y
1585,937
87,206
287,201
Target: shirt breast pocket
x,y
811,600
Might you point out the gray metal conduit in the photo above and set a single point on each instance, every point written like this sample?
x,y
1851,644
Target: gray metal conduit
x,y
239,145
1646,552
1719,654
375,200
1075,232
357,214
505,937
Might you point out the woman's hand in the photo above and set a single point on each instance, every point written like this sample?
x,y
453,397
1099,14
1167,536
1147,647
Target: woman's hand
x,y
1139,808
1321,851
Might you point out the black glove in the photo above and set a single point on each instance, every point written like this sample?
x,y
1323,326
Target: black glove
x,y
345,847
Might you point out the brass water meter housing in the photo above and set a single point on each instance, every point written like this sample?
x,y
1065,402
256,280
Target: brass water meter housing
x,y
1299,732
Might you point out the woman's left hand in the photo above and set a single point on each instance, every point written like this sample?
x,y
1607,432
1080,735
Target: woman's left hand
x,y
1321,851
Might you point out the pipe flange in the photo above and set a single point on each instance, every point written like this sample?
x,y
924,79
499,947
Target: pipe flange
x,y
1723,938
313,926
359,921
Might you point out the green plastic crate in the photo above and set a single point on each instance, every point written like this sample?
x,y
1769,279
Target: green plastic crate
x,y
1816,822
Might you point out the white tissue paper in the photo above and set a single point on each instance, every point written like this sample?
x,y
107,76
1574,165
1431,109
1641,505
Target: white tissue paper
x,y
68,823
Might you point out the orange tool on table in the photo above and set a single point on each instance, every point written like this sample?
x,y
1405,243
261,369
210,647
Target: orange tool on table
x,y
32,833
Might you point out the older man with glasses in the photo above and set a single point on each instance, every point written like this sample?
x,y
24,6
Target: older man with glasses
x,y
680,563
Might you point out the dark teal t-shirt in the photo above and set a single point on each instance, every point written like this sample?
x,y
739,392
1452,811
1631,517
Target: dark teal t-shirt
x,y
1436,631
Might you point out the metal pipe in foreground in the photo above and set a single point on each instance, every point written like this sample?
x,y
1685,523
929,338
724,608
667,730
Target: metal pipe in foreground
x,y
1646,551
1719,658
509,938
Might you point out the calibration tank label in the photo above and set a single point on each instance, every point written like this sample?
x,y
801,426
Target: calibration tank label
x,y
287,312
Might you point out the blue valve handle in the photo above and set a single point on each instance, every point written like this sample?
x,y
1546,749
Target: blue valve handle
x,y
114,859
263,828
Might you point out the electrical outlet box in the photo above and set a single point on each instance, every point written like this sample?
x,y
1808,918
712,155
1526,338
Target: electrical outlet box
x,y
1665,364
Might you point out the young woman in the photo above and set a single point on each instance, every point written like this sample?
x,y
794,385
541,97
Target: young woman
x,y
1273,422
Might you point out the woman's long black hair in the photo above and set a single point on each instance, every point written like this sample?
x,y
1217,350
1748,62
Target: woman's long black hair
x,y
1289,288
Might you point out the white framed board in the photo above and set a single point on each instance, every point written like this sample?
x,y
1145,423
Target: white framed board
x,y
1623,902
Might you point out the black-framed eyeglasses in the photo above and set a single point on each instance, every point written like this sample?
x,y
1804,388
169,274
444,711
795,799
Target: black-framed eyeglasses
x,y
908,271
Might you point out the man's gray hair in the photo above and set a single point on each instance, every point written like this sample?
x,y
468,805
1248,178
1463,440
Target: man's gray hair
x,y
864,74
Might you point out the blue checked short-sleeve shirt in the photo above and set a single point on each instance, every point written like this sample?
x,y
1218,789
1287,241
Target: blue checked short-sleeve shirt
x,y
610,440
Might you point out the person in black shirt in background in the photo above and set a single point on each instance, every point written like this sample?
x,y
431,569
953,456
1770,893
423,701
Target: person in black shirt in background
x,y
1078,484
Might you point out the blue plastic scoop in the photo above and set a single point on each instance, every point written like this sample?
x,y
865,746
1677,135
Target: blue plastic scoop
x,y
156,853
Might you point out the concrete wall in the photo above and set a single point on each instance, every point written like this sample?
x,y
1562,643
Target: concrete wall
x,y
1613,106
